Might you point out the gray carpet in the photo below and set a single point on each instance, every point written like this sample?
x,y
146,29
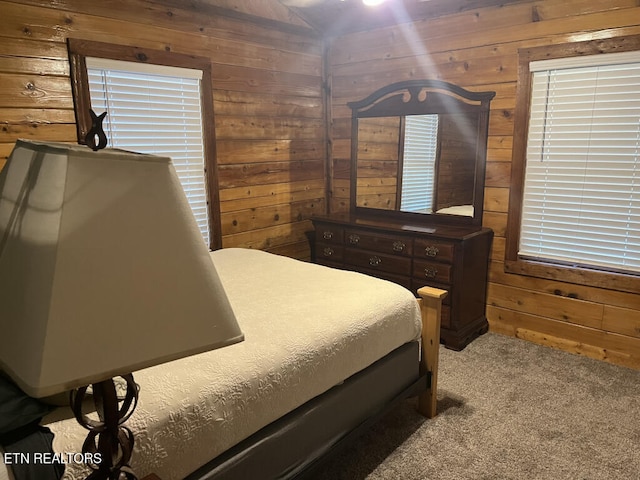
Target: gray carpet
x,y
509,409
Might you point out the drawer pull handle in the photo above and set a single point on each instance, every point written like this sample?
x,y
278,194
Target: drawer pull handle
x,y
399,246
354,239
430,272
431,251
327,235
375,261
328,251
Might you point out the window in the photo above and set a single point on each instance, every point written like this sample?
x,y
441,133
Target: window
x,y
418,162
159,106
579,168
155,109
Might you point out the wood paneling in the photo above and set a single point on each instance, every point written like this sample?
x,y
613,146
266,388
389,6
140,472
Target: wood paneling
x,y
268,98
378,159
269,80
478,49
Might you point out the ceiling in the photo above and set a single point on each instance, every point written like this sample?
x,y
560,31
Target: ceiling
x,y
338,17
332,18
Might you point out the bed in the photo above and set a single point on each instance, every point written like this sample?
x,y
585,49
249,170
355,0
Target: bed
x,y
326,352
463,210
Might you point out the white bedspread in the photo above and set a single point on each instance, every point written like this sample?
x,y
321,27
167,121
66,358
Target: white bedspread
x,y
307,328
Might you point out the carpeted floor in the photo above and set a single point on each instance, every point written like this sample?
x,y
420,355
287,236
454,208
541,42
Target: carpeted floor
x,y
509,409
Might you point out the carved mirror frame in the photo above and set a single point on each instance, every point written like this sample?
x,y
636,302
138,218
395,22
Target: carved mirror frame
x,y
421,97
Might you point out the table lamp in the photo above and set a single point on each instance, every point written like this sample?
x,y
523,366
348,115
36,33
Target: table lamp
x,y
103,272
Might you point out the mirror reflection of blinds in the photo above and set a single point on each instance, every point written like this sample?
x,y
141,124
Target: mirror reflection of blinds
x,y
418,170
155,109
581,202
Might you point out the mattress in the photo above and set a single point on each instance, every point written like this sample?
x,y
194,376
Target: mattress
x,y
463,210
307,328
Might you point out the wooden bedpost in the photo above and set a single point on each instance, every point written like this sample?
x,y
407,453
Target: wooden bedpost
x,y
430,307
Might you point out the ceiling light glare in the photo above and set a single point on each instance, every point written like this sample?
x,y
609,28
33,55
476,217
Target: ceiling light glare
x,y
372,3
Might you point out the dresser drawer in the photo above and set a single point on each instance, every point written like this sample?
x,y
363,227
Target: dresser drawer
x,y
329,252
390,244
434,250
327,233
433,271
375,261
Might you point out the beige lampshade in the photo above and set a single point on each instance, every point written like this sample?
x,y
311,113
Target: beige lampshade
x,y
103,270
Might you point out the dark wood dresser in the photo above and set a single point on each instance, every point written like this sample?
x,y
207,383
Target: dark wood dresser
x,y
453,258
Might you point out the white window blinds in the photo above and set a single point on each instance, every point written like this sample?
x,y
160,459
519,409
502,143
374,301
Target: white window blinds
x,y
581,203
155,109
418,168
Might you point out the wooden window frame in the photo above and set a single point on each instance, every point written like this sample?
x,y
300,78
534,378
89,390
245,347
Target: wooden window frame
x,y
80,49
596,277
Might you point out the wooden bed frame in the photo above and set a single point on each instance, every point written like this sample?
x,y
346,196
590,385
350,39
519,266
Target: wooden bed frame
x,y
430,307
340,415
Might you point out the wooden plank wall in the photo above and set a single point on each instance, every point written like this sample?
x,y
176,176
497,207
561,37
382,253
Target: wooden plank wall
x,y
477,49
268,101
378,159
455,175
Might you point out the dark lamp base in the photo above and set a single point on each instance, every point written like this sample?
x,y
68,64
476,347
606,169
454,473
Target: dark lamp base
x,y
108,442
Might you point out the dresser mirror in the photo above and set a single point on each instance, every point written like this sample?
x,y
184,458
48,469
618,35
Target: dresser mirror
x,y
418,152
